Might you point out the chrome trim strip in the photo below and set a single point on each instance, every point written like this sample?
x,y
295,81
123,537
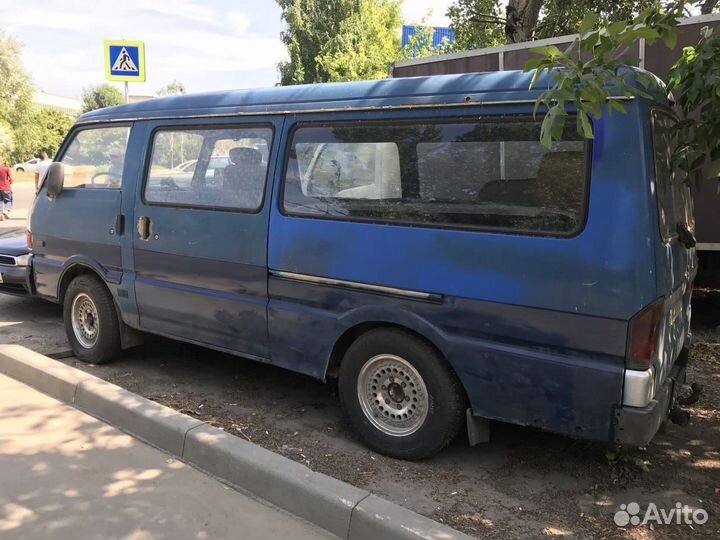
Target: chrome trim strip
x,y
240,114
708,246
415,295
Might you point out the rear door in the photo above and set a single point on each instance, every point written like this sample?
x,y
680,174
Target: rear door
x,y
200,232
677,258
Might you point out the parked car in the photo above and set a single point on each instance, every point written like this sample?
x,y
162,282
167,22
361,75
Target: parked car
x,y
411,237
15,266
29,165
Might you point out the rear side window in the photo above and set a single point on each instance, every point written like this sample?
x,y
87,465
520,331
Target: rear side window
x,y
214,167
673,193
488,174
95,158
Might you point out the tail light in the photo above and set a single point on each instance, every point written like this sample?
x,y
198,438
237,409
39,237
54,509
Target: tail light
x,y
644,336
29,238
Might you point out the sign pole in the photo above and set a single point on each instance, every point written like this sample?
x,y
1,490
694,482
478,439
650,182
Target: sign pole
x,y
124,62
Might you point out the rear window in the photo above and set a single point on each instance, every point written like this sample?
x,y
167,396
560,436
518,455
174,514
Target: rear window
x,y
479,174
673,192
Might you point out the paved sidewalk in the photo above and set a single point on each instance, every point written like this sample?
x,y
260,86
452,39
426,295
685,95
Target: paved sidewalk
x,y
66,475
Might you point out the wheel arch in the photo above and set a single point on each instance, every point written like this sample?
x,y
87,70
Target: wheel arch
x,y
76,266
352,333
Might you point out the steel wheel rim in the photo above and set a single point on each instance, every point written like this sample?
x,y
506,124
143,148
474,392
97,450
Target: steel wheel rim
x,y
392,395
85,320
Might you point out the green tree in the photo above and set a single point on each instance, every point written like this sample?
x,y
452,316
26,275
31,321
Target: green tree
x,y
310,24
7,142
100,96
16,112
367,42
172,89
588,85
476,23
487,23
331,40
51,127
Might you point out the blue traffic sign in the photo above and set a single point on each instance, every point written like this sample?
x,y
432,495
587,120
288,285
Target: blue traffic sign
x,y
125,61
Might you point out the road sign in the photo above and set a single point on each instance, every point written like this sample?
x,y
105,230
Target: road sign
x,y
125,61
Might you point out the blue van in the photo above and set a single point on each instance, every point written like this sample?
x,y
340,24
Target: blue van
x,y
410,237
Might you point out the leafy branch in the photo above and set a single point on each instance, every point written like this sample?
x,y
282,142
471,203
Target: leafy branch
x,y
592,72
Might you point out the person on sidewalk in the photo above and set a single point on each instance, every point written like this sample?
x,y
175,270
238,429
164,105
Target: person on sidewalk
x,y
41,169
6,181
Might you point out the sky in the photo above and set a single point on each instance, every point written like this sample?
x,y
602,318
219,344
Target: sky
x,y
205,44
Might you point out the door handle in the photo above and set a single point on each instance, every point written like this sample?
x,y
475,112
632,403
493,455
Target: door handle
x,y
144,227
119,224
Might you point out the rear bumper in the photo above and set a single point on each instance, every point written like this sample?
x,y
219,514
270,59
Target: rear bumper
x,y
636,426
16,280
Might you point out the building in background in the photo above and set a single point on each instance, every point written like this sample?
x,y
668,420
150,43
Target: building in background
x,y
69,106
439,34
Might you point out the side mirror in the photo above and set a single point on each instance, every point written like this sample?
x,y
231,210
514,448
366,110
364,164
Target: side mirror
x,y
54,179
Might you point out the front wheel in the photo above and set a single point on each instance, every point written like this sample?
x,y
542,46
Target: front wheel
x,y
91,322
400,395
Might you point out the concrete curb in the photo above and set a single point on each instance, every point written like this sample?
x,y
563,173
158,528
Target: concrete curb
x,y
344,510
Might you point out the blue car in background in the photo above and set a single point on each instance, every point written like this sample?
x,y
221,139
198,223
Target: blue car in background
x,y
15,267
411,237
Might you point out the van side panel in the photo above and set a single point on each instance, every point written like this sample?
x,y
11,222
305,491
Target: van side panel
x,y
508,376
79,224
534,326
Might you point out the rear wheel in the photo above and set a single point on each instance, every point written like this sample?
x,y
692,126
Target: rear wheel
x,y
400,394
91,322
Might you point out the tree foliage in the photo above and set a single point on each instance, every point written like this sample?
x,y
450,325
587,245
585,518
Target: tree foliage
x,y
24,128
488,23
100,96
310,24
16,109
695,80
368,41
476,23
339,40
172,89
51,127
420,44
590,84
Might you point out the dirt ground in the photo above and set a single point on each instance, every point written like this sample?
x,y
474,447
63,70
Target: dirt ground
x,y
522,484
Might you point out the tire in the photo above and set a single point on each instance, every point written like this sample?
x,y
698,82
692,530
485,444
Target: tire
x,y
395,371
20,169
91,322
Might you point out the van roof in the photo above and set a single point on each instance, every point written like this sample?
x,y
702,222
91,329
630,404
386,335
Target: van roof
x,y
454,89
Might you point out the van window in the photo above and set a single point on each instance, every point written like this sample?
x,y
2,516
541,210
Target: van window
x,y
488,174
95,158
673,192
217,168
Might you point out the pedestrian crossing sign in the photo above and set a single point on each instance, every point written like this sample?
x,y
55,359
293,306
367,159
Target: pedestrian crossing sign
x,y
125,61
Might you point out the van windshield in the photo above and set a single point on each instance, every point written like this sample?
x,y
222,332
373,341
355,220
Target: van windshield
x,y
673,192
